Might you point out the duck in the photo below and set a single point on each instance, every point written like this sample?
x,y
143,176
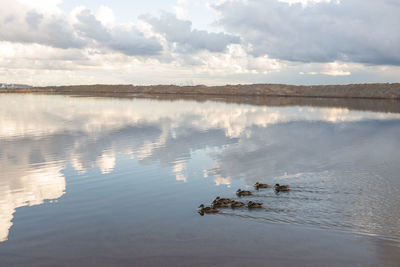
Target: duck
x,y
258,185
240,192
220,204
254,205
218,199
237,204
279,187
204,209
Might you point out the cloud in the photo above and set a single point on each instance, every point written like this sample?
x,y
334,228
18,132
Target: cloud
x,y
234,60
25,24
20,24
105,15
350,30
33,19
125,39
271,41
187,40
91,28
305,2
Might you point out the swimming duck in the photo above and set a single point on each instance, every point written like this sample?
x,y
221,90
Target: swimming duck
x,y
227,200
220,204
258,185
207,209
254,205
240,193
279,187
237,204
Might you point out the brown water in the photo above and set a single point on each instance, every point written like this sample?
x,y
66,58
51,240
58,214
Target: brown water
x,y
101,181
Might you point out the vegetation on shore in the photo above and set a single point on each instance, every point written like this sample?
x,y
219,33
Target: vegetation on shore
x,y
378,90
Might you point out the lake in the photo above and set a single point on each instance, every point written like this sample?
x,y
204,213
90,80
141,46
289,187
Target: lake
x,y
92,181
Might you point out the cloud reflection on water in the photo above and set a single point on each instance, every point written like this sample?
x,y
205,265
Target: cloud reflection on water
x,y
40,134
30,186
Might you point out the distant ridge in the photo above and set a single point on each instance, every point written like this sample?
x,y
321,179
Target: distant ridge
x,y
376,90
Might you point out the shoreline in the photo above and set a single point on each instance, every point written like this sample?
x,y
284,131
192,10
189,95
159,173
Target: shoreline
x,y
350,91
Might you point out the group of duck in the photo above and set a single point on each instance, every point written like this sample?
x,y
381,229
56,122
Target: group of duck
x,y
227,202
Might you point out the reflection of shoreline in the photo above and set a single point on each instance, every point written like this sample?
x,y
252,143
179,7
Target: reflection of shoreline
x,y
358,104
85,116
376,105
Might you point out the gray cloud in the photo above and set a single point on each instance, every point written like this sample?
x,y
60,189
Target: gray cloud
x,y
89,27
352,30
32,27
127,40
133,42
188,40
33,19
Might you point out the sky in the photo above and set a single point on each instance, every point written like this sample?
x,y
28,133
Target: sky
x,y
188,42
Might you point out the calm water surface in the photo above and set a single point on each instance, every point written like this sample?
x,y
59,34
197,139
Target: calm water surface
x,y
102,181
